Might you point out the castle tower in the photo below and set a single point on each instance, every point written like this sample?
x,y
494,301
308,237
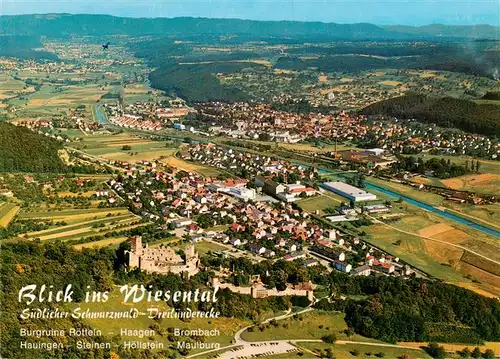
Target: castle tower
x,y
136,245
190,252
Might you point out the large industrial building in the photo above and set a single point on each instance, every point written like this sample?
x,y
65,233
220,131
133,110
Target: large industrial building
x,y
350,192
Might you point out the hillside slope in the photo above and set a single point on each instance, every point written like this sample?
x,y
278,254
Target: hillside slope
x,y
22,150
445,112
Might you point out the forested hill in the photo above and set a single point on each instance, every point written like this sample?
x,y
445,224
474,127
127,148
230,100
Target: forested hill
x,y
445,112
22,150
475,31
23,47
58,25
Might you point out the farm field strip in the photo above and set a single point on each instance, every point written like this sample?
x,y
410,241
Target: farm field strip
x,y
343,350
74,212
7,212
99,244
90,233
80,225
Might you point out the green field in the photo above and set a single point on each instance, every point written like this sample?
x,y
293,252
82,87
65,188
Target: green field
x,y
112,242
347,351
7,213
427,197
311,325
82,223
320,203
204,247
72,213
411,248
86,227
110,328
487,166
110,147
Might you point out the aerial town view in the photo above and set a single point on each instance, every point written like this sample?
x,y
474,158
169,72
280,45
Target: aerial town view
x,y
249,179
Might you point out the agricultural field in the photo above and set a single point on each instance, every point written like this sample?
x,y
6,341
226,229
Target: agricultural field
x,y
191,167
111,242
320,203
76,224
53,99
10,87
141,92
141,149
350,351
410,238
86,228
495,346
488,183
487,214
411,249
7,213
226,326
69,215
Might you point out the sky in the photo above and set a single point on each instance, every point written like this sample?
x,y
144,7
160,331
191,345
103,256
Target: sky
x,y
387,12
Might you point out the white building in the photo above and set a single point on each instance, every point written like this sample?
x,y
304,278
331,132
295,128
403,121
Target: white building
x,y
349,192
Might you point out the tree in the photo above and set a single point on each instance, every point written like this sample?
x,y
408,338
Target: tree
x,y
330,338
489,354
465,353
329,353
476,353
436,351
478,164
126,148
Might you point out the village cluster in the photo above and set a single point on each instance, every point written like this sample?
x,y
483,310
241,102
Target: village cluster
x,y
190,206
243,120
149,116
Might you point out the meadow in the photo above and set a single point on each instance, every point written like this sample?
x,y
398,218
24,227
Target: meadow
x,y
111,328
320,203
407,239
191,167
141,149
310,325
362,351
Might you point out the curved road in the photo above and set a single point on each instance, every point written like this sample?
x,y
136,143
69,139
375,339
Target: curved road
x,y
284,344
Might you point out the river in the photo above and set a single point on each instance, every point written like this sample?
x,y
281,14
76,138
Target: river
x,y
101,117
422,205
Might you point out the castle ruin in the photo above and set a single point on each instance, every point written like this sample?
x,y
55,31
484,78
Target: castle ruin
x,y
161,259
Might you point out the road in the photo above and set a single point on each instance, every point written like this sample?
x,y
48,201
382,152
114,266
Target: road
x,y
245,349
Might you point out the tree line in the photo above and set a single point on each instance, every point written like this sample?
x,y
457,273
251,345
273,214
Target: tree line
x,y
445,112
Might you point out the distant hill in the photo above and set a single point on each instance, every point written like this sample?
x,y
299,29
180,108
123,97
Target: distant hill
x,y
22,150
438,30
445,112
60,25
